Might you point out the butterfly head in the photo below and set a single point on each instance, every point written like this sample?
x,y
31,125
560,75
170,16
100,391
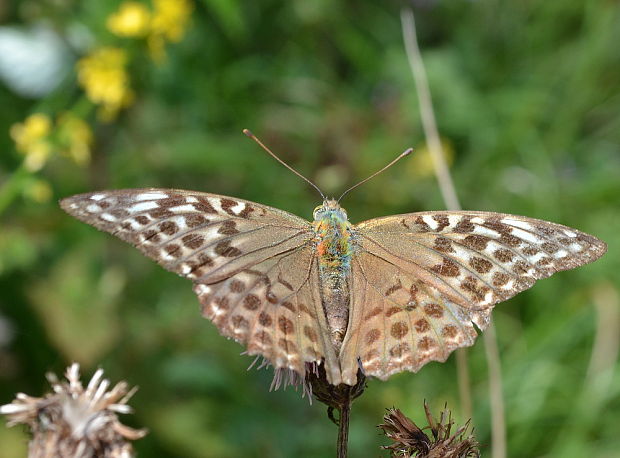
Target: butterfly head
x,y
330,210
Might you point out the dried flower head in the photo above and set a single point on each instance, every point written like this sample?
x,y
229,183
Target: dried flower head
x,y
333,396
74,421
411,441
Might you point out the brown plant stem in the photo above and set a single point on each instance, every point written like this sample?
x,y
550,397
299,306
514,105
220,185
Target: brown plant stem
x,y
338,397
450,197
343,430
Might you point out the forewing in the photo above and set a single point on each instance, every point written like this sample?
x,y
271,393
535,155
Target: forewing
x,y
252,265
458,264
204,237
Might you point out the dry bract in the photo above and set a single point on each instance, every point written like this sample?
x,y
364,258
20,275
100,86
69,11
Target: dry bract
x,y
412,441
76,421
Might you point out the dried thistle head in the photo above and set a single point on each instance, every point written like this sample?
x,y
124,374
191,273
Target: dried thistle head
x,y
76,421
333,396
411,441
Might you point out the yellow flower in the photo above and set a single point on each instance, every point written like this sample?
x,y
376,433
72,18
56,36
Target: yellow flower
x,y
104,77
133,19
31,138
169,22
170,18
75,138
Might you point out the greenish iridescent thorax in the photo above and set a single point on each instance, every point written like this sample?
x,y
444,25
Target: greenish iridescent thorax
x,y
335,245
333,236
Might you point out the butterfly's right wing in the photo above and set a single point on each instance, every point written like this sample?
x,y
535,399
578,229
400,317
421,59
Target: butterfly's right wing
x,y
420,281
253,266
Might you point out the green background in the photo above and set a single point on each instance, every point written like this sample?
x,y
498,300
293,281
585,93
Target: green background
x,y
526,97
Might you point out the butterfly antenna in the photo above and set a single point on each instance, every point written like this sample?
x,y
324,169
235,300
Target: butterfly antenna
x,y
253,137
403,154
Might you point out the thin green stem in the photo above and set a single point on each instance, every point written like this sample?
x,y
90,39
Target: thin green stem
x,y
462,375
498,425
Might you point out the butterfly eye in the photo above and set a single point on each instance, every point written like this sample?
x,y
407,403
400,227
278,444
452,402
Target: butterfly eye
x,y
316,211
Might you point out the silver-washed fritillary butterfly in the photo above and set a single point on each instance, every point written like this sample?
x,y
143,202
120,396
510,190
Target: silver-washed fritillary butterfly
x,y
382,296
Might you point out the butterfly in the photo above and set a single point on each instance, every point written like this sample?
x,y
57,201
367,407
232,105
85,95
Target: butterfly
x,y
382,296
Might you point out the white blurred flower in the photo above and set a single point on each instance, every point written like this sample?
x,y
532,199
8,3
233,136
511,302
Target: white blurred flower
x,y
33,60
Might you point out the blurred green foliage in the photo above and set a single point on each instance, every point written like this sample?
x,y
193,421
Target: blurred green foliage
x,y
527,99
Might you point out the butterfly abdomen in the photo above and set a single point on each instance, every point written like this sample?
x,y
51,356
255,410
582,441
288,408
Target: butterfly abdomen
x,y
334,249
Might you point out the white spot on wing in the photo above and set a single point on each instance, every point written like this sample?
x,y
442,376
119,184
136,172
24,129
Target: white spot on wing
x,y
183,208
151,196
575,247
108,217
517,223
461,253
215,203
92,208
481,230
97,196
560,254
166,256
191,200
185,269
453,220
180,221
528,236
142,206
570,233
202,289
217,311
537,257
134,224
238,208
530,272
477,220
430,221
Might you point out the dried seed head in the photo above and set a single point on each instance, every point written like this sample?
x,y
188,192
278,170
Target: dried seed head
x,y
410,440
76,421
334,396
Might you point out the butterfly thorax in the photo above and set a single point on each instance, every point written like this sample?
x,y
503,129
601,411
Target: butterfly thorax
x,y
335,244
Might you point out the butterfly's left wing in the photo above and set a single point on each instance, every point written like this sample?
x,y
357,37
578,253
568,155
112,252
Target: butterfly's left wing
x,y
253,266
420,280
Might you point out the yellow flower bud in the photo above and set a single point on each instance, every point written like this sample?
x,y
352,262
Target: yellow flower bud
x,y
75,138
133,19
170,18
30,138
